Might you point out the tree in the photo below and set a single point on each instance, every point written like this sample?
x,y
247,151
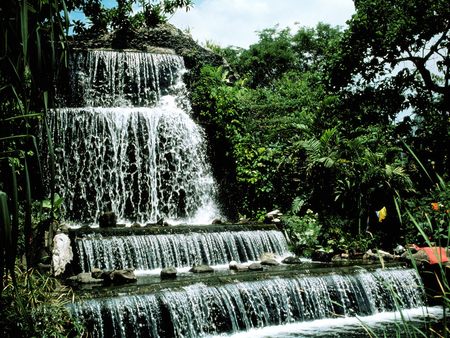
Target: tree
x,y
127,15
399,48
400,38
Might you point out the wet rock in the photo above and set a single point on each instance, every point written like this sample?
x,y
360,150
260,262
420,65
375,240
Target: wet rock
x,y
267,255
270,261
273,217
340,257
97,273
107,220
379,254
168,273
291,260
255,267
202,268
237,266
321,256
217,221
399,250
84,278
122,276
136,225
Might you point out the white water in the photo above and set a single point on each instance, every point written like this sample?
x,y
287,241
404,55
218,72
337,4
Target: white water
x,y
248,308
361,326
150,252
131,146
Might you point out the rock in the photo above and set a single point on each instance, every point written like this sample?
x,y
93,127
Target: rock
x,y
237,266
61,254
340,257
243,220
232,265
255,267
217,221
274,213
122,276
399,249
84,278
273,217
321,256
107,220
379,254
270,261
267,255
291,260
136,225
97,273
168,273
202,268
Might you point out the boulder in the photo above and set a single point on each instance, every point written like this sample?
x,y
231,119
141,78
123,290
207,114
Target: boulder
x,y
168,273
237,266
84,278
202,268
217,221
291,260
321,256
379,254
340,257
97,273
122,276
255,267
107,220
270,261
267,255
273,217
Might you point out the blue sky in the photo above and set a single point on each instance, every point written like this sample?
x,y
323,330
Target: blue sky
x,y
236,22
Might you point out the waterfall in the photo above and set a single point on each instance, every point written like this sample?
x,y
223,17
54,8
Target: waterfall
x,y
147,252
125,142
198,309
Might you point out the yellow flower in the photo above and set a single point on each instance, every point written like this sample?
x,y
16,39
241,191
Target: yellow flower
x,y
435,206
381,214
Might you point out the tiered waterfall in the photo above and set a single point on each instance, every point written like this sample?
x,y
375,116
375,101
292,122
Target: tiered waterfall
x,y
126,143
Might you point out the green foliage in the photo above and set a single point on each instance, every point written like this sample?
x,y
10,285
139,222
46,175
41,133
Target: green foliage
x,y
431,212
127,15
303,230
35,306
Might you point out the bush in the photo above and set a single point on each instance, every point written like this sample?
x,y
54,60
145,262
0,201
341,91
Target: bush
x,y
303,231
36,307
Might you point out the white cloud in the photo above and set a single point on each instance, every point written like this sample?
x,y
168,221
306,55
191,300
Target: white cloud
x,y
235,22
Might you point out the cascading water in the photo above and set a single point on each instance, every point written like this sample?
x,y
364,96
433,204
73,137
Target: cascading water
x,y
147,252
198,309
126,143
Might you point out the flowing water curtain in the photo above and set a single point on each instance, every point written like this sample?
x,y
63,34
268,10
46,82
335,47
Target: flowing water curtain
x,y
199,309
147,252
144,163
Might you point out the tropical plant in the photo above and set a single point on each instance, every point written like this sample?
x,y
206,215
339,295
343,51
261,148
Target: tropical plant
x,y
33,49
127,15
35,305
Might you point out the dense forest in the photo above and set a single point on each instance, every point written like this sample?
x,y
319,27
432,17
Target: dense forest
x,y
333,125
345,130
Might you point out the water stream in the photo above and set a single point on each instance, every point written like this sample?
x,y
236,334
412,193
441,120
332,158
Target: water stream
x,y
125,142
147,252
198,310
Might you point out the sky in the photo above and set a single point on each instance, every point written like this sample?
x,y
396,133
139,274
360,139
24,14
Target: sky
x,y
236,22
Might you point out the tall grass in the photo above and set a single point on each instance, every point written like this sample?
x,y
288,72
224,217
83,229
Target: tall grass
x,y
32,51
